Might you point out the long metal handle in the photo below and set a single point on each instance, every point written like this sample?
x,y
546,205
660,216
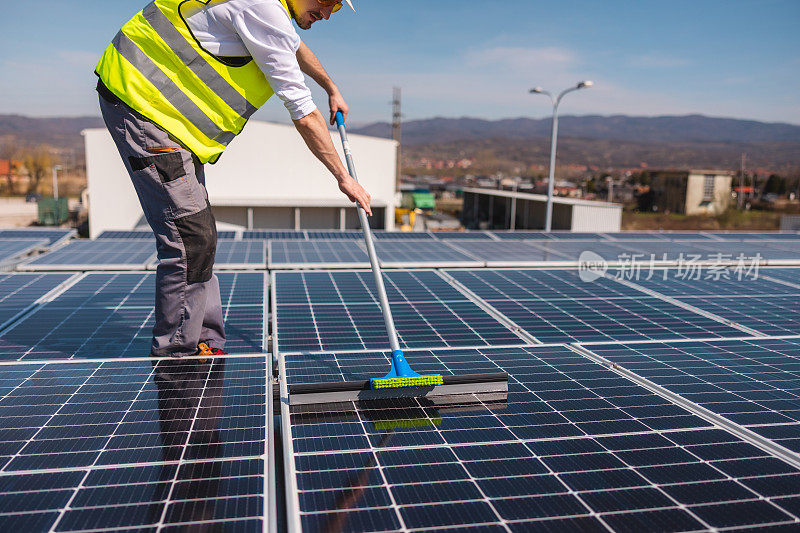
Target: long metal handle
x,y
373,257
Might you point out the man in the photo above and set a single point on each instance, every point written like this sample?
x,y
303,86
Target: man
x,y
177,84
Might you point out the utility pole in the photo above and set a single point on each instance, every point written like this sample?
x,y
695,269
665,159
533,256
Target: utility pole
x,y
397,132
740,196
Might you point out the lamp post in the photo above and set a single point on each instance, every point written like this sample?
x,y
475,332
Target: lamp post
x,y
551,181
56,168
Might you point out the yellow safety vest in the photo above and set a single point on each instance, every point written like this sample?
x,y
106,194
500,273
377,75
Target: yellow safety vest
x,y
158,68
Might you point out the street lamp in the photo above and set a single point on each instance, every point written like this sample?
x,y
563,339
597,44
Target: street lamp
x,y
556,100
56,168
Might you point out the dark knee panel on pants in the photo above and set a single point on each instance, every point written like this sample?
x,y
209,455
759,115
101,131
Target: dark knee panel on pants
x,y
199,235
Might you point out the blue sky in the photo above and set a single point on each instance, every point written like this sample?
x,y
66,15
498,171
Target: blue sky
x,y
734,58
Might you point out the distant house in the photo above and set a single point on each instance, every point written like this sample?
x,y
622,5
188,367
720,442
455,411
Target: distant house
x,y
691,192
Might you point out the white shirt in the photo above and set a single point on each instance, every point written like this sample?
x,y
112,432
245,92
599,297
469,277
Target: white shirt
x,y
263,30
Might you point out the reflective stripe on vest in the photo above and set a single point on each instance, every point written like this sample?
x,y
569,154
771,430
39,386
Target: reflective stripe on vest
x,y
156,66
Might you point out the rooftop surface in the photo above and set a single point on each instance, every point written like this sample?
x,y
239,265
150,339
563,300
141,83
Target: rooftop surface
x,y
654,386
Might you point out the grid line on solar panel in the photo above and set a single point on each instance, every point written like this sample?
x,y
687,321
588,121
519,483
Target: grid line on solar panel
x,y
754,383
108,254
601,310
321,311
111,315
128,444
574,442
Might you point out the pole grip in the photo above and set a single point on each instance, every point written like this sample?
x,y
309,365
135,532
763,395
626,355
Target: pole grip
x,y
339,118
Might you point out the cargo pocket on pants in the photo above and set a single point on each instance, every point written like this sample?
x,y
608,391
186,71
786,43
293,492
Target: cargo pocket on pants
x,y
199,235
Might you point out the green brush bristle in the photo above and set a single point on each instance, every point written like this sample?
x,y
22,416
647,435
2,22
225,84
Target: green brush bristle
x,y
417,381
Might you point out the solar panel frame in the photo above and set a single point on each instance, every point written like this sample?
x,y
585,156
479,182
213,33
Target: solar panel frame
x,y
484,450
99,475
87,255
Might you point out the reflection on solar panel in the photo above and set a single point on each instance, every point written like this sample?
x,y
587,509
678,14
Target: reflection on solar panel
x,y
107,315
52,236
599,317
412,253
577,448
506,253
317,311
459,235
11,249
304,254
753,383
260,234
108,254
130,445
353,235
241,254
18,292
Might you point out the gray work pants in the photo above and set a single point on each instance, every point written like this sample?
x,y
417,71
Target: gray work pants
x,y
170,184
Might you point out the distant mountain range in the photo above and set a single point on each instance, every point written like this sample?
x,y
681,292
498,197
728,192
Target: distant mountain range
x,y
689,128
692,140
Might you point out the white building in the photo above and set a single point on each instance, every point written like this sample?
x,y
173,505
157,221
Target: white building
x,y
495,209
266,179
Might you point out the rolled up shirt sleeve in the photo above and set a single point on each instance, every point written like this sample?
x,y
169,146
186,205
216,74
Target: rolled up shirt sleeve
x,y
269,36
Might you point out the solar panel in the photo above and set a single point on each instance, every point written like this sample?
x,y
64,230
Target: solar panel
x,y
636,236
107,254
752,382
679,282
135,445
51,235
770,315
576,448
461,235
238,255
111,315
147,234
506,253
318,311
522,235
420,253
401,235
263,234
681,252
767,250
353,235
318,254
19,292
686,236
573,249
11,249
580,318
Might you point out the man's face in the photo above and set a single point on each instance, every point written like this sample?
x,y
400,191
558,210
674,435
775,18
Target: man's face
x,y
307,12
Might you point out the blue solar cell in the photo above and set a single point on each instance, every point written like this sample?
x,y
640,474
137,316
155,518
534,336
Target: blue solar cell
x,y
241,254
401,235
412,252
461,235
522,235
354,235
787,275
708,281
506,253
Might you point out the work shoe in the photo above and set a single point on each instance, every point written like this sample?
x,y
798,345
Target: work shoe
x,y
203,348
